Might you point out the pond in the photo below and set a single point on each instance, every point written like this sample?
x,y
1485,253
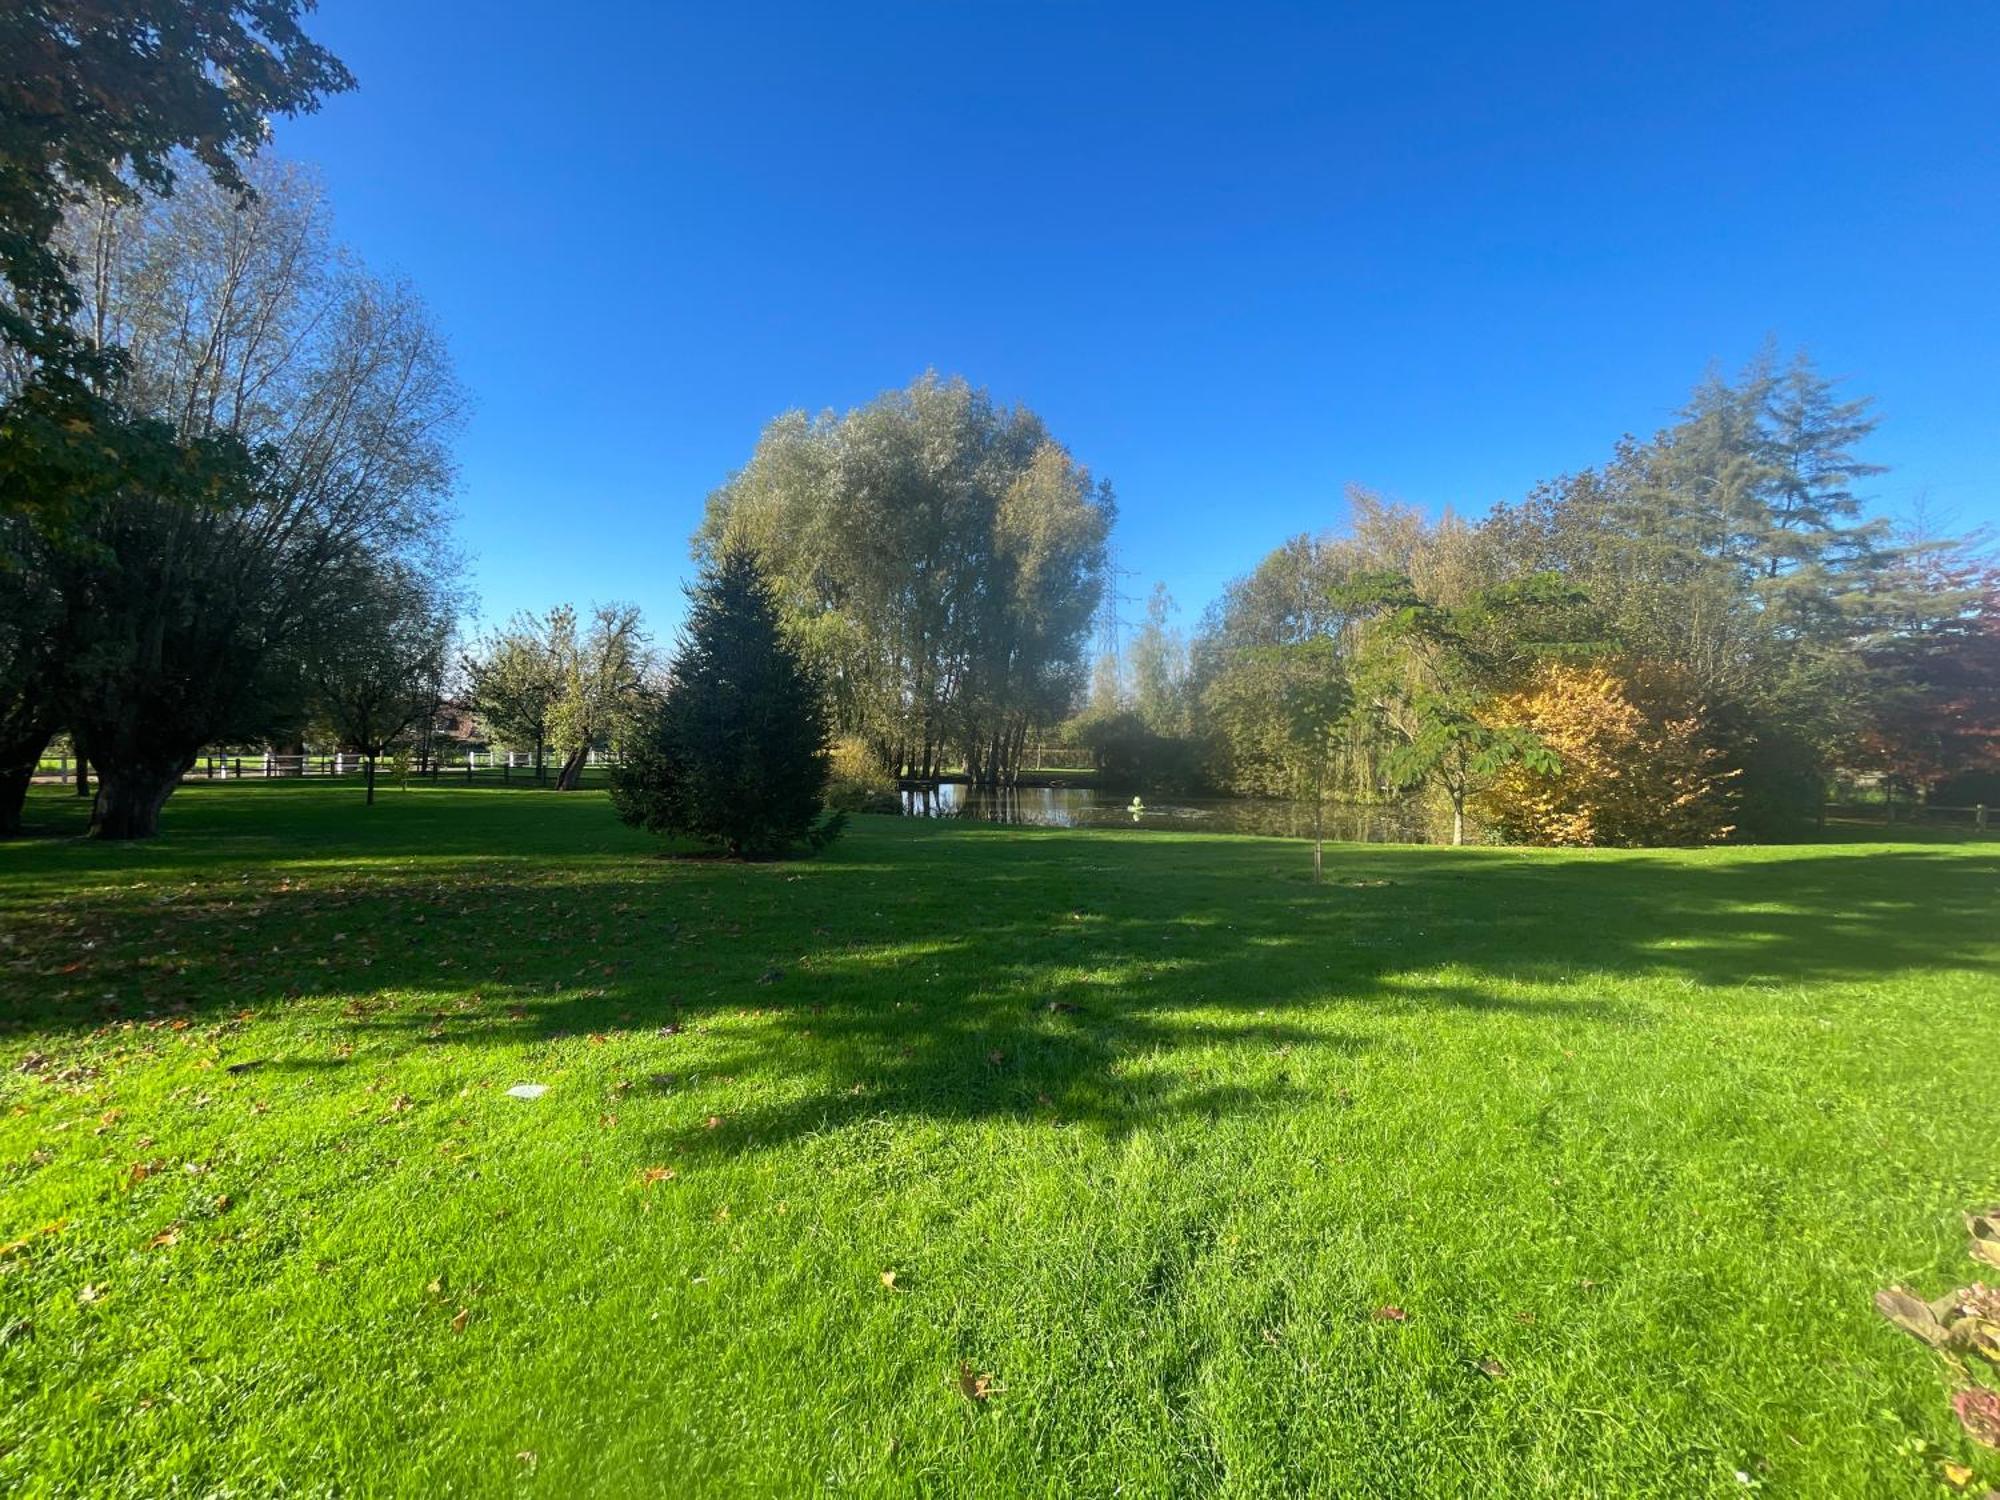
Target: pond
x,y
1083,807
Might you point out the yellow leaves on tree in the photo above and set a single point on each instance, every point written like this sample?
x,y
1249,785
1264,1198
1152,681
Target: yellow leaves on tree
x,y
1635,767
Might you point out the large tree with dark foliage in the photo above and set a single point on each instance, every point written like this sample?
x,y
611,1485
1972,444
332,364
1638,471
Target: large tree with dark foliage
x,y
736,753
280,424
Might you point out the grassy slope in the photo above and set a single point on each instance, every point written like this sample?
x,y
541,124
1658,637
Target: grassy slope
x,y
1646,1129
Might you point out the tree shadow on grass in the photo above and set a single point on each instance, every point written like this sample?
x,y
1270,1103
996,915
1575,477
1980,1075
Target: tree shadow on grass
x,y
958,972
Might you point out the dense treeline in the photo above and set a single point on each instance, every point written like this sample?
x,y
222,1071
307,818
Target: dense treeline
x,y
224,462
939,559
1684,641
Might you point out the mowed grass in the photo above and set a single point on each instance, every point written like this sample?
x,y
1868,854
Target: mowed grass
x,y
1152,1133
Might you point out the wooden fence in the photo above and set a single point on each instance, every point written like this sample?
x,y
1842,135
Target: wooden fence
x,y
1978,817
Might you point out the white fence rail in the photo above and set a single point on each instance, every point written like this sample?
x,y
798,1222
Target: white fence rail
x,y
505,765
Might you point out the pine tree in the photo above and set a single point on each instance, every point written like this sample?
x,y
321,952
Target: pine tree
x,y
736,753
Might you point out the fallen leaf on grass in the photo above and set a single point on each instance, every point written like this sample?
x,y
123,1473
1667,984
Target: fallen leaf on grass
x,y
1492,1369
527,1456
1958,1476
650,1175
1977,1335
1390,1314
1979,1414
166,1239
458,1323
889,1280
527,1091
1914,1317
90,1293
606,1121
714,1122
14,1247
1985,1231
996,1057
972,1385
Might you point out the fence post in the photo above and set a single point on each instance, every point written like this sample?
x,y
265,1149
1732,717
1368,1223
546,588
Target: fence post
x,y
1979,817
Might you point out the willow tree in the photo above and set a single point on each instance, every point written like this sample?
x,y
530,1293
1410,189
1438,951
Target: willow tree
x,y
937,556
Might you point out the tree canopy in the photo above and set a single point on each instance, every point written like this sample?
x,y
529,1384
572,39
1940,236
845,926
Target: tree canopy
x,y
99,100
1719,589
277,425
938,558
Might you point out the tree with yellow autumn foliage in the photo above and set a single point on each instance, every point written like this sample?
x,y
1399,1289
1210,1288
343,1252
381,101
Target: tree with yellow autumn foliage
x,y
1635,767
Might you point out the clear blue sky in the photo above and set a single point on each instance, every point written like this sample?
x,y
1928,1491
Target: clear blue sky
x,y
1237,255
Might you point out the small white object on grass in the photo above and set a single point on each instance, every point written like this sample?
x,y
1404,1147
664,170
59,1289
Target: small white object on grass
x,y
527,1091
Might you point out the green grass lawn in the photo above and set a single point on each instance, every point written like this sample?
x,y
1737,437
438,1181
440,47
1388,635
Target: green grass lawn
x,y
1157,1139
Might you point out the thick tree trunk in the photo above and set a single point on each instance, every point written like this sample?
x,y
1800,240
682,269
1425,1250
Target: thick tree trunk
x,y
82,769
369,801
19,759
571,775
1458,820
129,800
13,797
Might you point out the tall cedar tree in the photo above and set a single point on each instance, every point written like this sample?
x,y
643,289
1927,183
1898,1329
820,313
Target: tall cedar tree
x,y
737,752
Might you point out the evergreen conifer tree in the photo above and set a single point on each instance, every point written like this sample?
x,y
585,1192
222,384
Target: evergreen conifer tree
x,y
736,753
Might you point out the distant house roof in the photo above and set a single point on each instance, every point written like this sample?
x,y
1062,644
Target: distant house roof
x,y
457,722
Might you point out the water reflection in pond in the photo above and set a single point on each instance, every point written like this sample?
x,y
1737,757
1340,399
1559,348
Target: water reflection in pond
x,y
1083,807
